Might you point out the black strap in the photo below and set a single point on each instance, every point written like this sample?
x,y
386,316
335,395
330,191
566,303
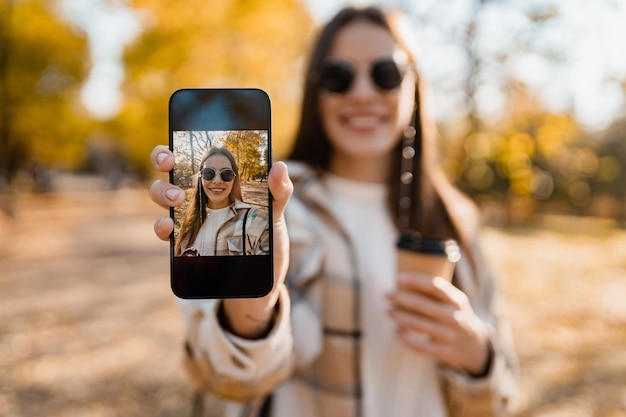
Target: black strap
x,y
267,407
197,404
243,234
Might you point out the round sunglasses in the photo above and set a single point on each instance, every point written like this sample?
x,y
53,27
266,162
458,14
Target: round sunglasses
x,y
337,75
226,174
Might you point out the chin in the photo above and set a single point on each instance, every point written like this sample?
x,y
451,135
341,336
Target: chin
x,y
219,203
369,146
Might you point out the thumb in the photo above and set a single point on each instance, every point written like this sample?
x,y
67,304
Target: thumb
x,y
281,188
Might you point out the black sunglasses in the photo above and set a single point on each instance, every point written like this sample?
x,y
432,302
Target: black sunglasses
x,y
226,174
336,75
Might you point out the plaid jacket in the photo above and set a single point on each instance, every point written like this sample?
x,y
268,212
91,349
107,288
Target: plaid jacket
x,y
230,240
316,341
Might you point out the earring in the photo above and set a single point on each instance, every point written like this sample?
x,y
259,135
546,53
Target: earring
x,y
406,176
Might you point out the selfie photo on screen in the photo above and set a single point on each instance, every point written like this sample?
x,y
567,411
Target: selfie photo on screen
x,y
224,174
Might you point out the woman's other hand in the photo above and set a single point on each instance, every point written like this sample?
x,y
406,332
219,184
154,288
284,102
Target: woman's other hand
x,y
435,318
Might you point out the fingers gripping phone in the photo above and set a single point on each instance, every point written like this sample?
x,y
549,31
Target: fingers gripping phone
x,y
222,242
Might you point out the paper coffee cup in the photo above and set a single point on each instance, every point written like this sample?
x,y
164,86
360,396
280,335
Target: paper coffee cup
x,y
429,255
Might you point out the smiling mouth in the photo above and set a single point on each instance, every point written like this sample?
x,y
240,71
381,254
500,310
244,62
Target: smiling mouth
x,y
363,122
217,191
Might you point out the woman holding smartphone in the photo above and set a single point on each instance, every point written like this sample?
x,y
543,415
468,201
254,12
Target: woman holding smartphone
x,y
218,221
336,336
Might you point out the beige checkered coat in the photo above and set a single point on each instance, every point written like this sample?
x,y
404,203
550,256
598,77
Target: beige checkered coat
x,y
316,339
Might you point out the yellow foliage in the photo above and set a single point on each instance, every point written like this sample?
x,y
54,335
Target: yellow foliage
x,y
209,44
483,145
588,161
549,140
44,69
521,186
521,143
518,165
452,168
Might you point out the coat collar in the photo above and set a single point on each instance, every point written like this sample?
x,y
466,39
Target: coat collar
x,y
309,188
308,184
235,207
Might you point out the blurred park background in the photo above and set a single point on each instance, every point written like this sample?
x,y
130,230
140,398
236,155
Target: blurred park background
x,y
530,100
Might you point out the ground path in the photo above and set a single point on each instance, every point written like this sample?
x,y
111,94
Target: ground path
x,y
89,327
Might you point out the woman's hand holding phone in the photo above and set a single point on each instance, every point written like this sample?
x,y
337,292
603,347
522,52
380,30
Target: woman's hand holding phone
x,y
249,317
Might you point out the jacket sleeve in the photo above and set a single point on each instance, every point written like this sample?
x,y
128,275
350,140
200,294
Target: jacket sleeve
x,y
237,369
493,394
232,367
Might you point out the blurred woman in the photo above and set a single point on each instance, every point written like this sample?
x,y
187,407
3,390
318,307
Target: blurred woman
x,y
336,337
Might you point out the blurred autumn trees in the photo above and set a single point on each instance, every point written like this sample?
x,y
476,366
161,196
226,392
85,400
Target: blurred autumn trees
x,y
42,66
44,61
528,161
534,161
251,43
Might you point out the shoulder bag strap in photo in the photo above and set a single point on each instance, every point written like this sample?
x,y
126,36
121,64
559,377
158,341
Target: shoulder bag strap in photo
x,y
243,232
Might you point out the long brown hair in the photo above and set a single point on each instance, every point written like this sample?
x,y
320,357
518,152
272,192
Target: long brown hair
x,y
438,209
197,209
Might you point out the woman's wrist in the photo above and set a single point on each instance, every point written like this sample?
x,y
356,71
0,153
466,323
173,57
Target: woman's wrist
x,y
248,318
486,365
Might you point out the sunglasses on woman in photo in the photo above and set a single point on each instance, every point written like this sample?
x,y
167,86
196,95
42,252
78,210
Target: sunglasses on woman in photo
x,y
337,75
226,174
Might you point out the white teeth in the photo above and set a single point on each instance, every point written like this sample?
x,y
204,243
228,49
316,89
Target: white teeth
x,y
363,121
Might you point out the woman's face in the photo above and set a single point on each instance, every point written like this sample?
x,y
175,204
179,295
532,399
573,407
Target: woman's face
x,y
365,122
217,189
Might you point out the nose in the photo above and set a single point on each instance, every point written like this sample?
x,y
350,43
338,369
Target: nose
x,y
363,87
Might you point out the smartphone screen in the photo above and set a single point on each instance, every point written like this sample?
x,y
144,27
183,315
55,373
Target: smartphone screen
x,y
221,246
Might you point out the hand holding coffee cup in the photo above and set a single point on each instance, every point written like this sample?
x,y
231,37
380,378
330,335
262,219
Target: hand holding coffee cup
x,y
434,317
423,258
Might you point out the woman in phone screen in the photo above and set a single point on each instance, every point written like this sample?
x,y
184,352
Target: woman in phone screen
x,y
342,333
217,221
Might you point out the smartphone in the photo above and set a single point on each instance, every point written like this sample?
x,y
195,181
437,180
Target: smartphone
x,y
222,242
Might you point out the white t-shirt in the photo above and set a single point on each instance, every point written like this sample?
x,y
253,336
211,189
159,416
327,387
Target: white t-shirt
x,y
205,241
397,382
